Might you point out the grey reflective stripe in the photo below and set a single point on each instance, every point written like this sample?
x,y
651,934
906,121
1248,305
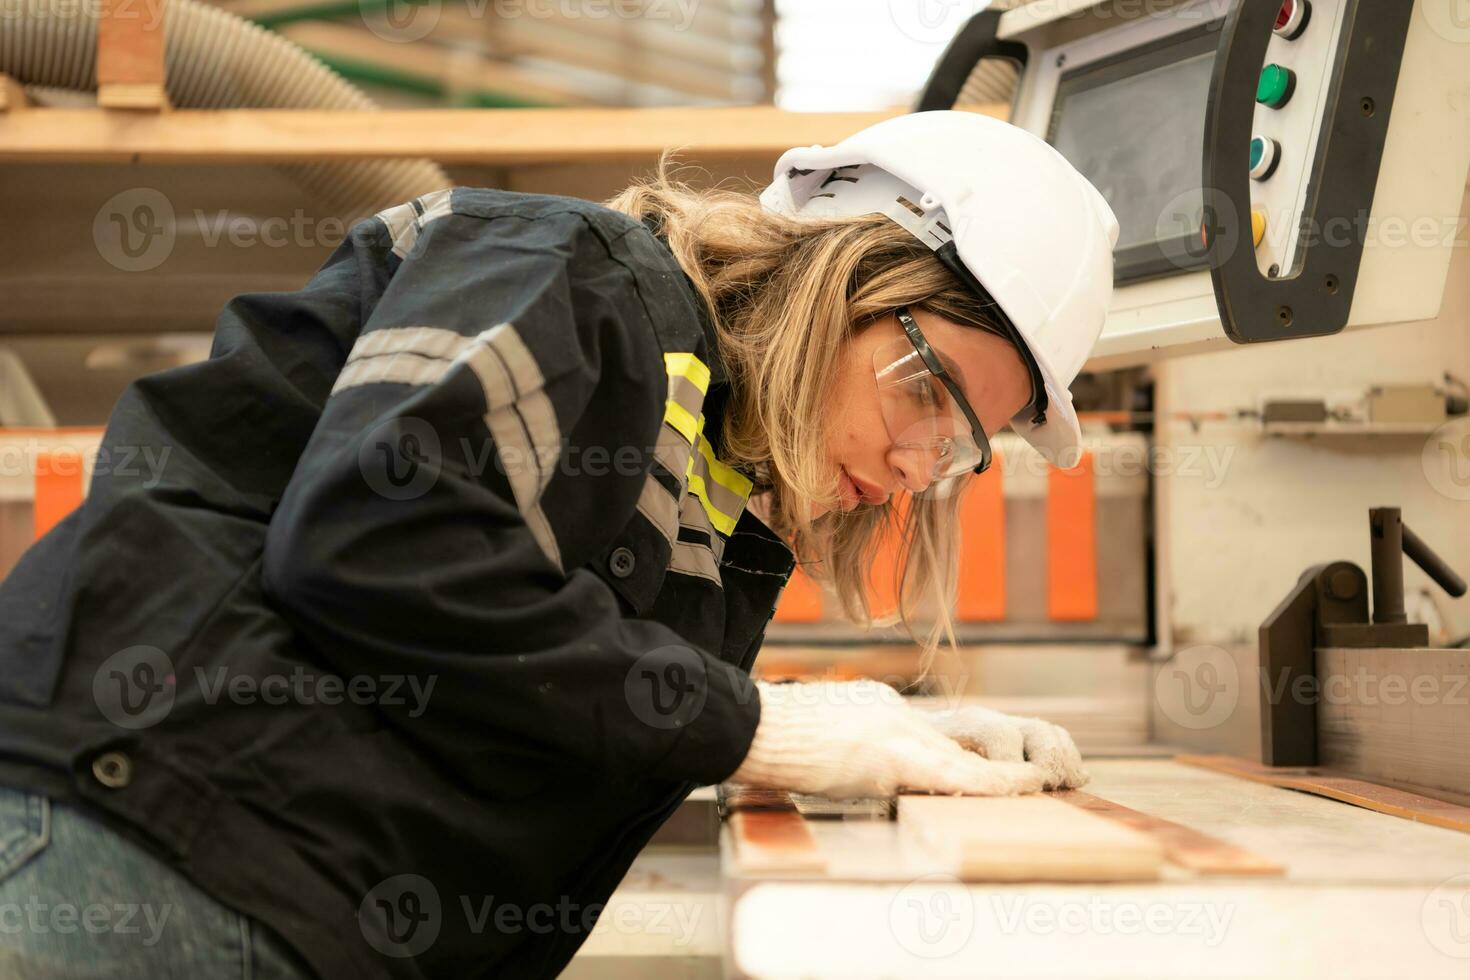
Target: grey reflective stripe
x,y
658,505
401,355
695,559
672,451
690,557
686,394
423,341
522,421
405,221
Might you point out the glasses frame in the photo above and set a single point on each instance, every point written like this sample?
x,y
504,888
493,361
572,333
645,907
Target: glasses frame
x,y
926,353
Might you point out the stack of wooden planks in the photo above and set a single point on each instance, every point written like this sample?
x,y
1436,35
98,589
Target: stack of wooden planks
x,y
1068,836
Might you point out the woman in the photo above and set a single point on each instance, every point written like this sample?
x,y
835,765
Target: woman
x,y
448,590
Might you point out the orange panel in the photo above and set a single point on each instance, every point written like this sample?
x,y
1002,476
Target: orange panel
x,y
801,600
882,583
982,594
58,488
1071,542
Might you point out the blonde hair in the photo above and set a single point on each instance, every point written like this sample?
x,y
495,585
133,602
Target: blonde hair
x,y
783,295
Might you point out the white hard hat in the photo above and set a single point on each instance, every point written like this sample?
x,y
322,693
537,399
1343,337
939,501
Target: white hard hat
x,y
1032,232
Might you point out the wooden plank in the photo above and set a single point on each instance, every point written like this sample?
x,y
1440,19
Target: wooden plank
x,y
1184,846
734,797
769,833
506,137
1335,786
1028,838
623,59
130,64
431,63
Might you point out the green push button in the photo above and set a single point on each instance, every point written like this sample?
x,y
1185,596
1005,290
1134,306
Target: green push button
x,y
1276,86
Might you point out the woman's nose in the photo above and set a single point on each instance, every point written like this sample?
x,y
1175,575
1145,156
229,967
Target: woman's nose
x,y
914,466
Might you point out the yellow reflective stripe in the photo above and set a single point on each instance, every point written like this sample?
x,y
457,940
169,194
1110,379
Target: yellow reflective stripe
x,y
686,365
722,495
683,422
726,512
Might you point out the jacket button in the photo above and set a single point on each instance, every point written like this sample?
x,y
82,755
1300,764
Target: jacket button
x,y
113,769
621,562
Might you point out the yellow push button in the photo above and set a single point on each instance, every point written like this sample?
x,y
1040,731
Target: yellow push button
x,y
1258,226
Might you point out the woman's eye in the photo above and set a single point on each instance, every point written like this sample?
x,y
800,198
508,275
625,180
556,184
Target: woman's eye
x,y
925,392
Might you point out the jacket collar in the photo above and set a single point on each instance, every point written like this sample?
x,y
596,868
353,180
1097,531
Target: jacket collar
x,y
711,339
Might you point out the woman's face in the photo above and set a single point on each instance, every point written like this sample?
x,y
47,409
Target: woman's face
x,y
864,464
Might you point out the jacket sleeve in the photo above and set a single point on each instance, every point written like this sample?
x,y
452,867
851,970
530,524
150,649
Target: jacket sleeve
x,y
413,539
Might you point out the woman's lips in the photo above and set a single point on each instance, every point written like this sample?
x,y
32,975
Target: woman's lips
x,y
848,491
868,493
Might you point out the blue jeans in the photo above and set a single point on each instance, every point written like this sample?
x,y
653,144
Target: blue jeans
x,y
79,901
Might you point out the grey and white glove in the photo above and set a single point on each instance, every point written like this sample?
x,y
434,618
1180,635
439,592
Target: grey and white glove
x,y
1008,738
858,739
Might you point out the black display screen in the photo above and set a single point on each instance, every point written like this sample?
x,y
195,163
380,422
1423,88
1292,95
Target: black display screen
x,y
1134,125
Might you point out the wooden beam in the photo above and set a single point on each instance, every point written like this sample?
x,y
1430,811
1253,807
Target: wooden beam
x,y
130,63
13,96
506,137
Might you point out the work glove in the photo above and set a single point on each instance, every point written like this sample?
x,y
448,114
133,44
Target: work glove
x,y
1008,738
847,740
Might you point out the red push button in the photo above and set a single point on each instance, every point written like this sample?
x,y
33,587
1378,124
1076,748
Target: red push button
x,y
1292,18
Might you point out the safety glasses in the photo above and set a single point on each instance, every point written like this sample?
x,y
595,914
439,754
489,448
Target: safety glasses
x,y
926,413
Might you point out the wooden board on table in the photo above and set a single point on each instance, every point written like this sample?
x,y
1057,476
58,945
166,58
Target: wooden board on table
x,y
1184,846
1335,786
732,797
769,833
1028,838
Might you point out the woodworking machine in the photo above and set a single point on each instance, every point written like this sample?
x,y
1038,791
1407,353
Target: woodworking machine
x,y
1260,156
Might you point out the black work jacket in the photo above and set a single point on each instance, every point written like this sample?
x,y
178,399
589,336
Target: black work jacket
x,y
438,604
